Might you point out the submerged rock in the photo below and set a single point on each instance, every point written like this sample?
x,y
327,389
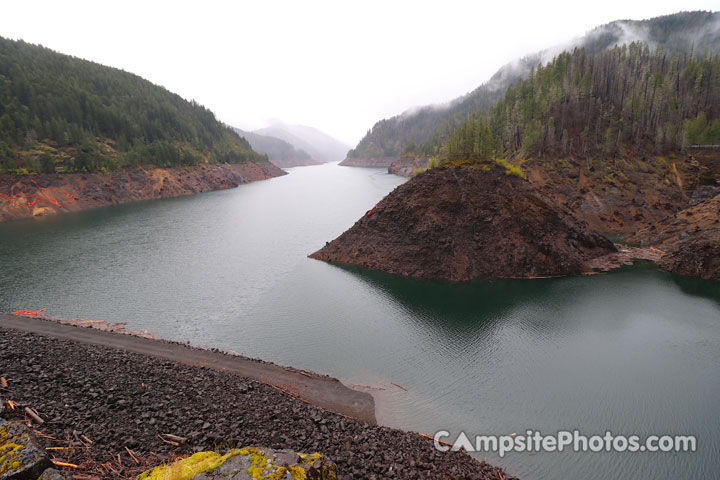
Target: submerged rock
x,y
461,223
21,457
245,464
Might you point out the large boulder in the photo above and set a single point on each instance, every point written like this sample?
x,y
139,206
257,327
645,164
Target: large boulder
x,y
461,223
21,457
246,464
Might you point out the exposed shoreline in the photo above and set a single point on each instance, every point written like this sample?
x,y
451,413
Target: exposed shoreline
x,y
319,390
120,399
81,191
374,162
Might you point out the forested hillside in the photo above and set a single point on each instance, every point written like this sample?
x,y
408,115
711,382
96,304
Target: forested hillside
x,y
422,130
61,113
583,105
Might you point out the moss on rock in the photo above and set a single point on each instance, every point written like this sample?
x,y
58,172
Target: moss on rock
x,y
20,455
246,463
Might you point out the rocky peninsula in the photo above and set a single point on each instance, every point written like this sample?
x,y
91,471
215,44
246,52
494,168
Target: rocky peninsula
x,y
461,223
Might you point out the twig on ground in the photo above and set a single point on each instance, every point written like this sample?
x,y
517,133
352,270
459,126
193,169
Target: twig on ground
x,y
34,415
174,438
434,440
169,442
132,456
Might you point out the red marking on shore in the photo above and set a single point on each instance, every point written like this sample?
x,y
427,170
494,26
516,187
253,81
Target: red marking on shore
x,y
29,312
32,199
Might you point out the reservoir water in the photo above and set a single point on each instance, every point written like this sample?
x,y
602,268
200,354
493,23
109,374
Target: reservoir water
x,y
635,351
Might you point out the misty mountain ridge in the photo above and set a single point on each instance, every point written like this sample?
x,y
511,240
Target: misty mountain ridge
x,y
279,152
319,145
694,33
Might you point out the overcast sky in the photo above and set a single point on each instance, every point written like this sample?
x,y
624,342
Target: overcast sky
x,y
338,65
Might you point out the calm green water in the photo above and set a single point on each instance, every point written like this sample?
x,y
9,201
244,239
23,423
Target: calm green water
x,y
635,352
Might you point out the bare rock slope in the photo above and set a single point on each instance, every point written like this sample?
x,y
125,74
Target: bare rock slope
x,y
43,194
691,240
458,224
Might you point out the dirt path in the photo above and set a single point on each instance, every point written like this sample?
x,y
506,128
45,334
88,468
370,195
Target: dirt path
x,y
319,390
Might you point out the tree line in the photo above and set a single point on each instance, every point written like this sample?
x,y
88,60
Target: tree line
x,y
424,130
583,105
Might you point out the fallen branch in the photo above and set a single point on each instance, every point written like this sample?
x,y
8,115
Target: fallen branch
x,y
66,465
34,415
174,438
434,440
46,436
132,456
86,439
169,442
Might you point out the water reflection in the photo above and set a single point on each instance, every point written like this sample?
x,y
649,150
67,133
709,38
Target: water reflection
x,y
698,287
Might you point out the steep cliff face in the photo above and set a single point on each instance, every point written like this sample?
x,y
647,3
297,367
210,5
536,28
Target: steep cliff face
x,y
697,255
690,240
43,194
459,224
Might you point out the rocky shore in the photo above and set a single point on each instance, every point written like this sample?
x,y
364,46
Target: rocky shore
x,y
407,165
383,162
111,413
79,191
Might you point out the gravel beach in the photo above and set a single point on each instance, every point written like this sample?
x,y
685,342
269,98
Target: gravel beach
x,y
98,402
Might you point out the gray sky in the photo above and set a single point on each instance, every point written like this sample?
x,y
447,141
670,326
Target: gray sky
x,y
337,65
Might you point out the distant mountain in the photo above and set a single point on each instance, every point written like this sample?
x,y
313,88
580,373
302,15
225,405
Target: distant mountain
x,y
320,146
422,130
59,112
279,152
